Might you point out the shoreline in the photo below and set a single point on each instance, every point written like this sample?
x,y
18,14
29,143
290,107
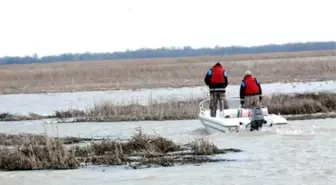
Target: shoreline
x,y
155,88
47,104
293,117
293,106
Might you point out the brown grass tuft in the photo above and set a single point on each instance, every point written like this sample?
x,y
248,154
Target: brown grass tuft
x,y
301,103
30,155
140,142
135,112
176,72
17,139
203,147
140,150
154,144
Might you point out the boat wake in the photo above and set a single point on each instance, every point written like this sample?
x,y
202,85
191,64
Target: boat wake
x,y
281,131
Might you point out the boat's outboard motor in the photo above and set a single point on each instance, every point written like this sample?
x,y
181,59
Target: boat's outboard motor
x,y
257,119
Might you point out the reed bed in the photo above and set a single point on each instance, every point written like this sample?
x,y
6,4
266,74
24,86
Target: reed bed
x,y
285,104
139,151
303,104
17,139
164,72
31,155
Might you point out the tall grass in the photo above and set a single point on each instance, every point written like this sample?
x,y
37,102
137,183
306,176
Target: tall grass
x,y
163,72
286,104
32,155
154,111
140,149
301,103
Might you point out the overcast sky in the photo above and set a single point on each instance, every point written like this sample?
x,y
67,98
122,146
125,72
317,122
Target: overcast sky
x,y
57,26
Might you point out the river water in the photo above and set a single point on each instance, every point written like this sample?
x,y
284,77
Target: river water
x,y
301,152
48,103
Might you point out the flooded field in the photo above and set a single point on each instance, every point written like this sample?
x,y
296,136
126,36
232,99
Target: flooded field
x,y
46,104
302,152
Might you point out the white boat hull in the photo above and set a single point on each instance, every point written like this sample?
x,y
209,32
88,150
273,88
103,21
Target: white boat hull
x,y
235,120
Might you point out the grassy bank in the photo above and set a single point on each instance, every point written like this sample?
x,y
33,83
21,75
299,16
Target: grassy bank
x,y
140,151
176,72
285,104
294,106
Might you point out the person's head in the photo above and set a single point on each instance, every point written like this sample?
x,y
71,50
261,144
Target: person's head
x,y
248,73
217,65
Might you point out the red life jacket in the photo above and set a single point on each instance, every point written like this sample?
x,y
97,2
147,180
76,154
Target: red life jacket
x,y
217,75
251,86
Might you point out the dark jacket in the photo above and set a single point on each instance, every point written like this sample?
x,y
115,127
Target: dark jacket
x,y
219,87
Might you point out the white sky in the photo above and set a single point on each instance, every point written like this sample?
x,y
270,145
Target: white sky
x,y
58,26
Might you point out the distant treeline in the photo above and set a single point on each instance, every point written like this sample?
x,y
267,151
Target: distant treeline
x,y
171,52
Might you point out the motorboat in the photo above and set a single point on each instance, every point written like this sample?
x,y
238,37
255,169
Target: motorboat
x,y
236,118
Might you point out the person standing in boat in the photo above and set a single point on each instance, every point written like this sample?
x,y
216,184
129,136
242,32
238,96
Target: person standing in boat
x,y
250,92
216,79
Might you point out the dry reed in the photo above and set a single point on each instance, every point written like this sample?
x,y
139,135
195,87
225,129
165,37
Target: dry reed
x,y
301,103
204,147
154,111
176,72
140,150
14,117
286,104
17,139
147,150
31,155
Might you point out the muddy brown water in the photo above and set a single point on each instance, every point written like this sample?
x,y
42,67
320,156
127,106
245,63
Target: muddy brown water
x,y
302,152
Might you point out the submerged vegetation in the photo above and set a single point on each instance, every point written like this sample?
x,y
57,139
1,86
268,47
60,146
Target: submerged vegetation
x,y
140,151
301,104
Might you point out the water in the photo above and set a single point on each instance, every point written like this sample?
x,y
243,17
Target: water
x,y
48,103
302,152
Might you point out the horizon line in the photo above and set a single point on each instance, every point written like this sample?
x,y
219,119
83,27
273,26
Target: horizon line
x,y
165,47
